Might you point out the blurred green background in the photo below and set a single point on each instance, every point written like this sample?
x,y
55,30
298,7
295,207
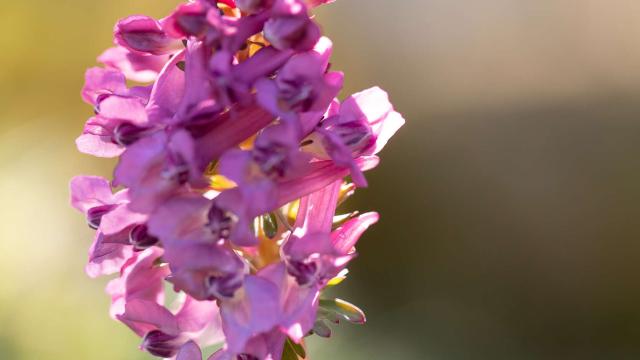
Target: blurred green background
x,y
510,200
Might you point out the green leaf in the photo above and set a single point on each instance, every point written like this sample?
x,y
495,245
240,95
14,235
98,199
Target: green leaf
x,y
288,353
292,351
181,65
270,225
299,349
342,310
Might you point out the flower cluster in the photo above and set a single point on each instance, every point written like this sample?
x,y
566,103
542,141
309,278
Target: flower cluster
x,y
233,152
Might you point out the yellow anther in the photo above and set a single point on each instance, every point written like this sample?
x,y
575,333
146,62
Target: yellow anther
x,y
221,183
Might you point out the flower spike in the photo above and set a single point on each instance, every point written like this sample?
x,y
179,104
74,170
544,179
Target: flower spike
x,y
234,156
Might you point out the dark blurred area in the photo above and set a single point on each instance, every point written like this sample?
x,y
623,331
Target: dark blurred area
x,y
509,201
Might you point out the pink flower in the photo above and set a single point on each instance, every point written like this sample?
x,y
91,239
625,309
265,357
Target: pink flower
x,y
120,115
135,66
362,126
189,351
205,271
313,253
188,20
275,155
254,6
302,85
109,214
267,346
236,130
290,26
272,305
156,166
144,35
340,244
137,299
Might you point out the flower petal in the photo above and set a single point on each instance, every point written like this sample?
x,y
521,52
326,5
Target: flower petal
x,y
189,351
89,191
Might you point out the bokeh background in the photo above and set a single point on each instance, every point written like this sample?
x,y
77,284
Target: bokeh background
x,y
510,200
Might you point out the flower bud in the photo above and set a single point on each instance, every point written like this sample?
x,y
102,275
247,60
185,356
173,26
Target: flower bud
x,y
271,158
253,6
303,271
188,20
290,27
126,134
291,32
296,94
140,238
221,222
223,286
95,214
356,135
143,34
176,169
157,343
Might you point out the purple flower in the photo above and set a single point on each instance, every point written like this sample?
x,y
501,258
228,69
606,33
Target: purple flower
x,y
193,231
317,258
317,175
267,346
189,351
136,300
167,92
231,128
256,311
212,86
101,82
236,132
205,271
234,83
290,26
140,238
156,166
232,212
139,283
313,253
275,155
254,6
120,113
302,85
144,35
135,66
188,20
298,305
225,218
109,214
272,305
197,102
362,126
203,21
120,122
